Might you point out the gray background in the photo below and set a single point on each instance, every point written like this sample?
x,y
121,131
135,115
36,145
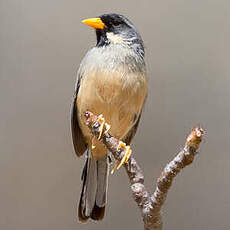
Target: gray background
x,y
187,52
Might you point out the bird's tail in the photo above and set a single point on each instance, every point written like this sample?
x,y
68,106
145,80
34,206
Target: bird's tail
x,y
94,189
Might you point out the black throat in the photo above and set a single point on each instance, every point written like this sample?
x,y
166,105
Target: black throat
x,y
136,45
102,39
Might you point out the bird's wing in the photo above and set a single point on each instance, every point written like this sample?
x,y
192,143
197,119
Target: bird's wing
x,y
79,143
128,138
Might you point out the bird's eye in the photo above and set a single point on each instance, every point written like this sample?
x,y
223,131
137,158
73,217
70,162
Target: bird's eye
x,y
116,23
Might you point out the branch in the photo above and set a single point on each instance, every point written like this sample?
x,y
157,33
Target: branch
x,y
150,205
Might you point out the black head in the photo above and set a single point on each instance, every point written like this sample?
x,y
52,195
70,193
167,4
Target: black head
x,y
116,28
119,25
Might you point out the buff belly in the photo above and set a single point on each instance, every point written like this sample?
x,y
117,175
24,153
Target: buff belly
x,y
118,97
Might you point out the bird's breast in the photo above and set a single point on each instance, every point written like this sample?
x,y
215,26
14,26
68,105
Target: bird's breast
x,y
116,93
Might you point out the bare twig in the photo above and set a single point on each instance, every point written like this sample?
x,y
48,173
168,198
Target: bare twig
x,y
150,205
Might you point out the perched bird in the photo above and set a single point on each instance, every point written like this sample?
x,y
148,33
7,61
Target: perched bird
x,y
111,81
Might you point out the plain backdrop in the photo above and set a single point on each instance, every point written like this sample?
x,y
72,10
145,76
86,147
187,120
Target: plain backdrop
x,y
188,55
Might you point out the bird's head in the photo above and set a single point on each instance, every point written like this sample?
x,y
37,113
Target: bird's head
x,y
116,29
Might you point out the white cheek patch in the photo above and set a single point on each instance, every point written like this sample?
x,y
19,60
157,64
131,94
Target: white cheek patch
x,y
114,38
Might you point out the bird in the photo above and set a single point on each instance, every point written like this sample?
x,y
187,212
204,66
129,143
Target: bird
x,y
111,81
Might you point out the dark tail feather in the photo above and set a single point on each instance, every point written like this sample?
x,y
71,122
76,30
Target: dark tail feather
x,y
94,189
97,213
81,206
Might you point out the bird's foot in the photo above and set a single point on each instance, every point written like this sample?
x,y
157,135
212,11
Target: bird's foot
x,y
103,124
128,153
125,158
101,120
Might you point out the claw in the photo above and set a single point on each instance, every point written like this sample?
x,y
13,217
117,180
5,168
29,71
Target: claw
x,y
107,128
125,159
101,119
121,145
114,167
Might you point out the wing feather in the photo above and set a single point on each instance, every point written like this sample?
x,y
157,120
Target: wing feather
x,y
79,143
130,135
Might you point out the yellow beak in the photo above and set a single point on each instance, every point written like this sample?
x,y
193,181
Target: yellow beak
x,y
96,23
